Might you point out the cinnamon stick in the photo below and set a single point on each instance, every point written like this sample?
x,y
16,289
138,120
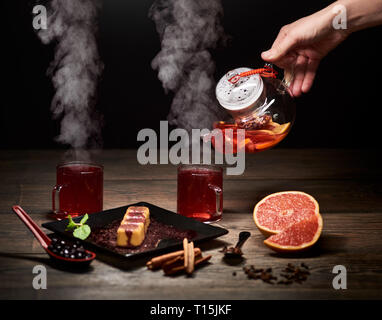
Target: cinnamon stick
x,y
191,258
173,266
185,248
157,262
202,260
182,260
176,265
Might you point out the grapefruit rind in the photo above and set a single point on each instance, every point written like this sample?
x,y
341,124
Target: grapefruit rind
x,y
284,248
269,232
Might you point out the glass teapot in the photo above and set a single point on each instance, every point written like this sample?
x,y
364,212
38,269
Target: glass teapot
x,y
259,103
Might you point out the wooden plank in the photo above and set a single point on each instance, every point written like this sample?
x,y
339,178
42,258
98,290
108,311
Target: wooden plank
x,y
39,165
239,195
347,184
352,240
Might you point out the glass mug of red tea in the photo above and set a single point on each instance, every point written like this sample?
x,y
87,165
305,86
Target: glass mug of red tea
x,y
78,189
200,192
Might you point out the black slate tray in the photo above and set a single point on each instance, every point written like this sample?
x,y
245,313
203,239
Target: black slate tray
x,y
202,231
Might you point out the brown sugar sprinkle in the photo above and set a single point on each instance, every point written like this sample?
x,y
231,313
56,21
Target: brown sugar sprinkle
x,y
290,273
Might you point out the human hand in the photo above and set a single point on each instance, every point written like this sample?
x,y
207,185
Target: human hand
x,y
300,46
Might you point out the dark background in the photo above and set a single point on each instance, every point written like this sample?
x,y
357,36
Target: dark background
x,y
342,110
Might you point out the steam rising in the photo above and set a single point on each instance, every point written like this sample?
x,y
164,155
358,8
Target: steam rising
x,y
188,29
75,70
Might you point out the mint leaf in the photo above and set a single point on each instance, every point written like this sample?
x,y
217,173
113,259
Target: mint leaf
x,y
71,225
84,219
82,232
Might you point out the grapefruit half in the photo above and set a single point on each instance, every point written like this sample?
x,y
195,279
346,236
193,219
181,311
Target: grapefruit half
x,y
291,219
280,210
297,237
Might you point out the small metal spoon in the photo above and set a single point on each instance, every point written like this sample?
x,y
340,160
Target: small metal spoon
x,y
235,252
45,241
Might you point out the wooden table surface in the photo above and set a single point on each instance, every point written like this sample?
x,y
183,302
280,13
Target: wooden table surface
x,y
347,184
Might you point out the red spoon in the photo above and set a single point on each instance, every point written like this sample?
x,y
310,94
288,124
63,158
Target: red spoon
x,y
45,241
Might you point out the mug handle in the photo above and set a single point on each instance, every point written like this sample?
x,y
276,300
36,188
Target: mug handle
x,y
218,194
56,195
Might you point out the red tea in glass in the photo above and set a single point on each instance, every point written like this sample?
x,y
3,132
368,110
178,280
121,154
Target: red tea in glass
x,y
200,192
262,138
79,189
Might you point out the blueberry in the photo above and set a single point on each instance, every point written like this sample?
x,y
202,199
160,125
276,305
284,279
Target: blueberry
x,y
61,253
79,255
62,242
72,256
54,240
66,251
